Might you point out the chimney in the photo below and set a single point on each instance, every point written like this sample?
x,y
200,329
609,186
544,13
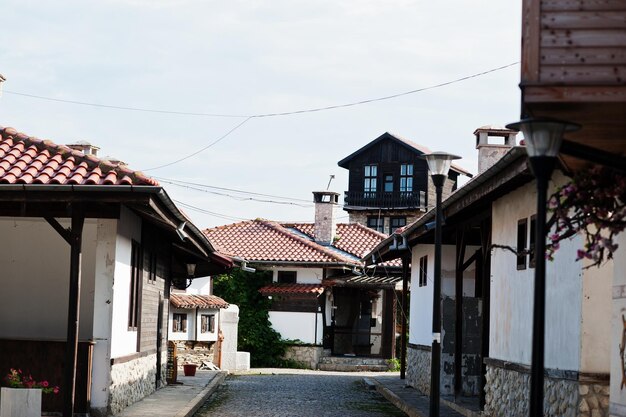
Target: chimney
x,y
489,150
84,147
325,225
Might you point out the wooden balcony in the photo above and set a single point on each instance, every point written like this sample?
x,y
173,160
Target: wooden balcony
x,y
574,67
359,200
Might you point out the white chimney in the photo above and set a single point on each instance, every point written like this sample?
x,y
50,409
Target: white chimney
x,y
84,147
489,150
325,225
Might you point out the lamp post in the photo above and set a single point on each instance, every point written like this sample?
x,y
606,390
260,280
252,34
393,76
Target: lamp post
x,y
438,165
543,139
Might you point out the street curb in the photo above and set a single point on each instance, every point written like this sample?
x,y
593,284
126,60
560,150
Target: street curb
x,y
397,401
193,405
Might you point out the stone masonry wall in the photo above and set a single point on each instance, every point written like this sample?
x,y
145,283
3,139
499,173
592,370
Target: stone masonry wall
x,y
133,380
418,368
507,395
308,356
194,352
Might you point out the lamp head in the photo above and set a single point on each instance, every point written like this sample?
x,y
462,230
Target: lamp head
x,y
543,136
439,162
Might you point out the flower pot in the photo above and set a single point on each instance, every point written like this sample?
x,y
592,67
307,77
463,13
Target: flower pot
x,y
20,402
189,369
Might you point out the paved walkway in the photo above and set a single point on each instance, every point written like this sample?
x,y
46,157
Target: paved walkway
x,y
408,399
178,400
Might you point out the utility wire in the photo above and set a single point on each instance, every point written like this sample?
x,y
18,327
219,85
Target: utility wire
x,y
212,213
261,115
190,187
174,181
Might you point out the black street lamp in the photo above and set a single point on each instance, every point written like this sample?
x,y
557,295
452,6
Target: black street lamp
x,y
438,165
543,140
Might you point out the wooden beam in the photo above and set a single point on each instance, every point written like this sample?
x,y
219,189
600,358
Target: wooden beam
x,y
485,266
458,324
69,365
405,312
65,233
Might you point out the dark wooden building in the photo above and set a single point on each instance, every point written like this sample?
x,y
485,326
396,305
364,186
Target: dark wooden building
x,y
389,185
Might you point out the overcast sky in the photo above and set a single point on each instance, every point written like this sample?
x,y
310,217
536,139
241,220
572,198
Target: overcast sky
x,y
255,57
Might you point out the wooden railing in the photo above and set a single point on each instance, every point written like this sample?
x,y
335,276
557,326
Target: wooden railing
x,y
388,200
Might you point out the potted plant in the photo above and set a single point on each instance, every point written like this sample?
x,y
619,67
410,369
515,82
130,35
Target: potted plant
x,y
190,369
22,395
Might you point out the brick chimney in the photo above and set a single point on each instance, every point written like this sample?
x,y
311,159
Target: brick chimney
x,y
84,147
325,225
492,143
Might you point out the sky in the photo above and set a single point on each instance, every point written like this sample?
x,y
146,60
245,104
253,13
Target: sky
x,y
242,58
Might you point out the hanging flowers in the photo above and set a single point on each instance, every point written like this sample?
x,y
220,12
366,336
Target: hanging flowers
x,y
592,204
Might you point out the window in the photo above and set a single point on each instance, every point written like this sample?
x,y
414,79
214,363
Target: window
x,y
135,285
287,277
531,244
388,183
369,184
406,178
397,222
376,223
423,272
522,235
179,323
207,323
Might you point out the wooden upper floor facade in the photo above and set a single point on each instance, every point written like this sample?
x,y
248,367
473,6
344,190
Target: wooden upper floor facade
x,y
574,67
389,173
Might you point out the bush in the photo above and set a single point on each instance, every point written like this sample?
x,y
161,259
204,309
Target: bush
x,y
255,331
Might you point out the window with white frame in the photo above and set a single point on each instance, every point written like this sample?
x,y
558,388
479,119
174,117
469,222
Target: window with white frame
x,y
207,323
406,178
179,322
370,181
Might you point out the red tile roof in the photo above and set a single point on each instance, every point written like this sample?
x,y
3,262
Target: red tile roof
x,y
313,289
193,301
353,238
28,160
264,240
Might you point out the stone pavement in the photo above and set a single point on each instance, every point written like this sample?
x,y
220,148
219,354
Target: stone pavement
x,y
408,399
177,400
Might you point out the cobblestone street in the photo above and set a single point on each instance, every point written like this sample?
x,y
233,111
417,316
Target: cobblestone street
x,y
288,393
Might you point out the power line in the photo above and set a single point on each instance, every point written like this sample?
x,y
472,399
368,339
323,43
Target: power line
x,y
288,203
212,213
261,115
201,149
174,181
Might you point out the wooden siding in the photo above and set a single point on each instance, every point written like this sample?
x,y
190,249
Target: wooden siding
x,y
574,42
388,156
153,291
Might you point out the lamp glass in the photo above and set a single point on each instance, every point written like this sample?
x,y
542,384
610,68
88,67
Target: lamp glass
x,y
543,137
191,269
439,162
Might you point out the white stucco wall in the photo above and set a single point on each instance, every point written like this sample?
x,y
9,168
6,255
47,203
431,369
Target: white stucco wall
x,y
421,308
303,276
297,325
200,286
35,280
512,291
123,341
618,393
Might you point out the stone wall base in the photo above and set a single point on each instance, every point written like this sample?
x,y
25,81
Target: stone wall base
x,y
508,388
418,368
133,380
307,356
191,352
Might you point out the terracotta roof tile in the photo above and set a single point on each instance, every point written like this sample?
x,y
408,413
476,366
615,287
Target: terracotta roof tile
x,y
26,160
263,240
193,301
313,289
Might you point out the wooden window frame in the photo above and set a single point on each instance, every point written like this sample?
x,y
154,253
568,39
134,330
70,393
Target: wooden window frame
x,y
207,323
522,242
152,267
370,181
423,271
531,241
287,277
179,318
136,270
393,227
406,178
380,223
